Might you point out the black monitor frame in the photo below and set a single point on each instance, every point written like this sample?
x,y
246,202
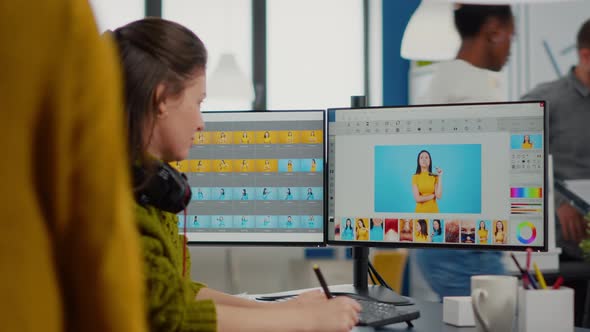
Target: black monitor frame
x,y
400,244
321,243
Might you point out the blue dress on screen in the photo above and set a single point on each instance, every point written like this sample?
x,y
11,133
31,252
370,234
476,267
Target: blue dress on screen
x,y
448,272
438,238
376,233
347,234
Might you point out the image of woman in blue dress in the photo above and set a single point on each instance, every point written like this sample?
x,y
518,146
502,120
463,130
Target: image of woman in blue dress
x,y
244,195
347,232
376,229
437,234
265,193
311,222
289,195
220,221
221,194
309,194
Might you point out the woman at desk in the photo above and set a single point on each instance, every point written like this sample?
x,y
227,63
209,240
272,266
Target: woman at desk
x,y
164,92
426,186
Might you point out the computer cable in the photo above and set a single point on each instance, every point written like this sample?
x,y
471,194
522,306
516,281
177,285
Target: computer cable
x,y
378,276
372,277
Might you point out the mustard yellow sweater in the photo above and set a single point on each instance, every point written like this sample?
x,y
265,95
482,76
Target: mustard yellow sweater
x,y
69,253
171,296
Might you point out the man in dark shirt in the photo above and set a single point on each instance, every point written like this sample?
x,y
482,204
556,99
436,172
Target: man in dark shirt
x,y
568,102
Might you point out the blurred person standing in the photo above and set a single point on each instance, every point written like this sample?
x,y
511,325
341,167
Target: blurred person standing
x,y
486,35
69,255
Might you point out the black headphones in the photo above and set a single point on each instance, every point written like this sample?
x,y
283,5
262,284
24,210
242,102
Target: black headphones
x,y
165,188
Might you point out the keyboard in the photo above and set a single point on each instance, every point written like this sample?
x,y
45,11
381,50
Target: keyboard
x,y
373,313
376,314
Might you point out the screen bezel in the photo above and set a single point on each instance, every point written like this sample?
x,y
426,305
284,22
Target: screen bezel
x,y
321,243
427,245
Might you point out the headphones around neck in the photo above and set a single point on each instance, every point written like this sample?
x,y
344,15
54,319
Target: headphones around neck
x,y
163,188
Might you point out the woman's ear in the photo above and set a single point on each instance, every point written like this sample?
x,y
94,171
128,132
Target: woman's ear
x,y
160,101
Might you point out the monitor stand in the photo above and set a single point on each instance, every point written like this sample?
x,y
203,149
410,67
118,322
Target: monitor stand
x,y
361,285
360,256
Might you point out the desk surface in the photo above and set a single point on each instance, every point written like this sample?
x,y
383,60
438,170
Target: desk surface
x,y
430,320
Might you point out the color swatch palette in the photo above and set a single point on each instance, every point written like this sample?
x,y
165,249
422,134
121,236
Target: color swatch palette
x,y
526,192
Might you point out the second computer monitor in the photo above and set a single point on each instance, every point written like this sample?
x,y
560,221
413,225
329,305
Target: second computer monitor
x,y
257,178
465,176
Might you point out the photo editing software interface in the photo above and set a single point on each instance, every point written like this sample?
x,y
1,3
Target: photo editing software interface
x,y
440,175
256,177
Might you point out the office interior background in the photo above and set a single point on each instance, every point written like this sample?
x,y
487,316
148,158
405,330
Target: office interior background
x,y
306,54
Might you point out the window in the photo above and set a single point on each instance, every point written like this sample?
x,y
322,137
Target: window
x,y
226,29
111,14
315,53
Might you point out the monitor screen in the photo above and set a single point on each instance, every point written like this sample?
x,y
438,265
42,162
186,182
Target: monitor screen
x,y
257,178
462,175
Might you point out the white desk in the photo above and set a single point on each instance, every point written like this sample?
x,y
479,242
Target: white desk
x,y
430,321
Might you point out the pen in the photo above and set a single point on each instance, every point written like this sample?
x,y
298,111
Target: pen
x,y
540,277
532,280
558,282
523,273
322,281
529,251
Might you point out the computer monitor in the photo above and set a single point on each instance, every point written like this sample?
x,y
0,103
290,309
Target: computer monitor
x,y
469,176
257,178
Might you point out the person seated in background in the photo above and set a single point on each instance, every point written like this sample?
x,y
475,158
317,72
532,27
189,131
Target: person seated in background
x,y
486,34
568,105
164,65
70,258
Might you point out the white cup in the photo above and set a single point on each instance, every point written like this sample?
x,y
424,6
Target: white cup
x,y
494,302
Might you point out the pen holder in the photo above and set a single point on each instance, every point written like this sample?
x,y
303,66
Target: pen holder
x,y
546,310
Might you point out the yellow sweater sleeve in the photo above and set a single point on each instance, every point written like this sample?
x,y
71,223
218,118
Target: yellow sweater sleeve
x,y
101,266
70,258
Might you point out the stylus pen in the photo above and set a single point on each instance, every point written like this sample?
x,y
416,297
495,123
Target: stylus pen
x,y
523,273
322,281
